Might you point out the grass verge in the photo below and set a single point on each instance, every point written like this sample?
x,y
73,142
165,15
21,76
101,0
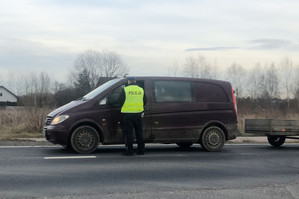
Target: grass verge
x,y
22,122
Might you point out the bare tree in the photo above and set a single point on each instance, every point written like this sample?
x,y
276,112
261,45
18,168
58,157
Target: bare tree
x,y
112,64
199,67
296,86
45,89
205,68
91,62
191,68
272,82
35,90
214,70
94,64
173,71
31,83
287,71
236,74
11,82
255,81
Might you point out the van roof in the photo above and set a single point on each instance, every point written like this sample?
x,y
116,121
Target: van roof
x,y
182,79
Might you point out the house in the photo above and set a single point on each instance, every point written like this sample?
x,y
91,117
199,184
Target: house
x,y
7,97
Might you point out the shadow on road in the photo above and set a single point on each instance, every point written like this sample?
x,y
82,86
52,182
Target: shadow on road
x,y
117,149
157,149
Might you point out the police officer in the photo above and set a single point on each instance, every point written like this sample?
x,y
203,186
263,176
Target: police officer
x,y
132,100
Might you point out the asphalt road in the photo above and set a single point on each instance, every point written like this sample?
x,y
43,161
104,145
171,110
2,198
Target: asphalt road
x,y
165,171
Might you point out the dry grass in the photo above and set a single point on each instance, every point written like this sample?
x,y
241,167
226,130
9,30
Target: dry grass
x,y
20,122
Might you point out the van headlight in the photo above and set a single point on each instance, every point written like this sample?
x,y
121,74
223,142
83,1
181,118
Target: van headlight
x,y
58,119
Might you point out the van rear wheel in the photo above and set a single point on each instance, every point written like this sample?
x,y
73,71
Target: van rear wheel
x,y
212,139
84,139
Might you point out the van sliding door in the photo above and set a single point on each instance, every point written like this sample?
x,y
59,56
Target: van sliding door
x,y
169,119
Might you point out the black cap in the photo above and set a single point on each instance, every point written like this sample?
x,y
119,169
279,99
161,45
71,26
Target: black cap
x,y
131,78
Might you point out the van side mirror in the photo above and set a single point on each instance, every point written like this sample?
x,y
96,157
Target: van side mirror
x,y
113,100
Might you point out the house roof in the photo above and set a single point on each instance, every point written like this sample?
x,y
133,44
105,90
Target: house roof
x,y
8,91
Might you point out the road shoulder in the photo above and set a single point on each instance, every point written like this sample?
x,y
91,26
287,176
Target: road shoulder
x,y
44,142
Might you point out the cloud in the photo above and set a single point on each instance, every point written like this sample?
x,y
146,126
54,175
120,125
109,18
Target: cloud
x,y
211,49
47,35
270,43
258,44
26,56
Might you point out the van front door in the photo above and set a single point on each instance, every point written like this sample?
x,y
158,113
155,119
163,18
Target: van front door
x,y
116,133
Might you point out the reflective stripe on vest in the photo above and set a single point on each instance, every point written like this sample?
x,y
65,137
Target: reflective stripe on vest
x,y
134,99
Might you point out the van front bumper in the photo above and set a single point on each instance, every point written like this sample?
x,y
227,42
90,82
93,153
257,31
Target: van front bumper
x,y
56,134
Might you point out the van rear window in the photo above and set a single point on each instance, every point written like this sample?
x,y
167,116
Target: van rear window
x,y
206,92
172,91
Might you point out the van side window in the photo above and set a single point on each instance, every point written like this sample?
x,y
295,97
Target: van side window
x,y
112,97
172,91
207,92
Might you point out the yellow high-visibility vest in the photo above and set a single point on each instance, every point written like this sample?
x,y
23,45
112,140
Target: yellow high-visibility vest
x,y
134,99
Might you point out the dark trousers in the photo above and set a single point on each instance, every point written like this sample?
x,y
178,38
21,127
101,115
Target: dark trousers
x,y
133,121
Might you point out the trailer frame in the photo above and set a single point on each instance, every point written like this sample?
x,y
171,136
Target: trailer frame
x,y
276,130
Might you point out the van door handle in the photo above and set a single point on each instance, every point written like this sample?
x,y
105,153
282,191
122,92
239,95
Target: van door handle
x,y
146,109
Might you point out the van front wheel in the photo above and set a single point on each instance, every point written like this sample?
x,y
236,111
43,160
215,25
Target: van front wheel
x,y
212,139
85,139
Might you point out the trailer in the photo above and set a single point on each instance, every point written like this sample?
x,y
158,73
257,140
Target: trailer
x,y
276,130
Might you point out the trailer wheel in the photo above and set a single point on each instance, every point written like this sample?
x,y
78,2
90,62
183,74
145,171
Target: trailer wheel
x,y
212,139
276,140
85,139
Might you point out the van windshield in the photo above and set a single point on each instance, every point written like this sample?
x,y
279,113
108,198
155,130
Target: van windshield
x,y
100,89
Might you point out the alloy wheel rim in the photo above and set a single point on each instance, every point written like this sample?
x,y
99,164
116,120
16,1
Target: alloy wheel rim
x,y
85,139
213,139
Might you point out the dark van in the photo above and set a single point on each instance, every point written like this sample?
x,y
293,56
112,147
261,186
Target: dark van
x,y
179,110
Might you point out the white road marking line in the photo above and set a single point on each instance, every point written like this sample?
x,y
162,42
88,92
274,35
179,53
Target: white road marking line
x,y
259,144
8,147
15,147
69,157
247,144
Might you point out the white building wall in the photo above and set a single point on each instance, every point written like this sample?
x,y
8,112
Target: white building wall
x,y
6,96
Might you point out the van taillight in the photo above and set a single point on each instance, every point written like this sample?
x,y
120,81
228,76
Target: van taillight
x,y
234,100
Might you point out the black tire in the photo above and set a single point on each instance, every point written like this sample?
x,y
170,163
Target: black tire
x,y
276,140
212,139
184,145
84,139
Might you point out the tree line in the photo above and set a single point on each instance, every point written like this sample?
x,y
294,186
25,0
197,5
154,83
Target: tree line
x,y
90,69
264,86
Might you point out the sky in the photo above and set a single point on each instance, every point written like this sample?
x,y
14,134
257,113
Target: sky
x,y
150,35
